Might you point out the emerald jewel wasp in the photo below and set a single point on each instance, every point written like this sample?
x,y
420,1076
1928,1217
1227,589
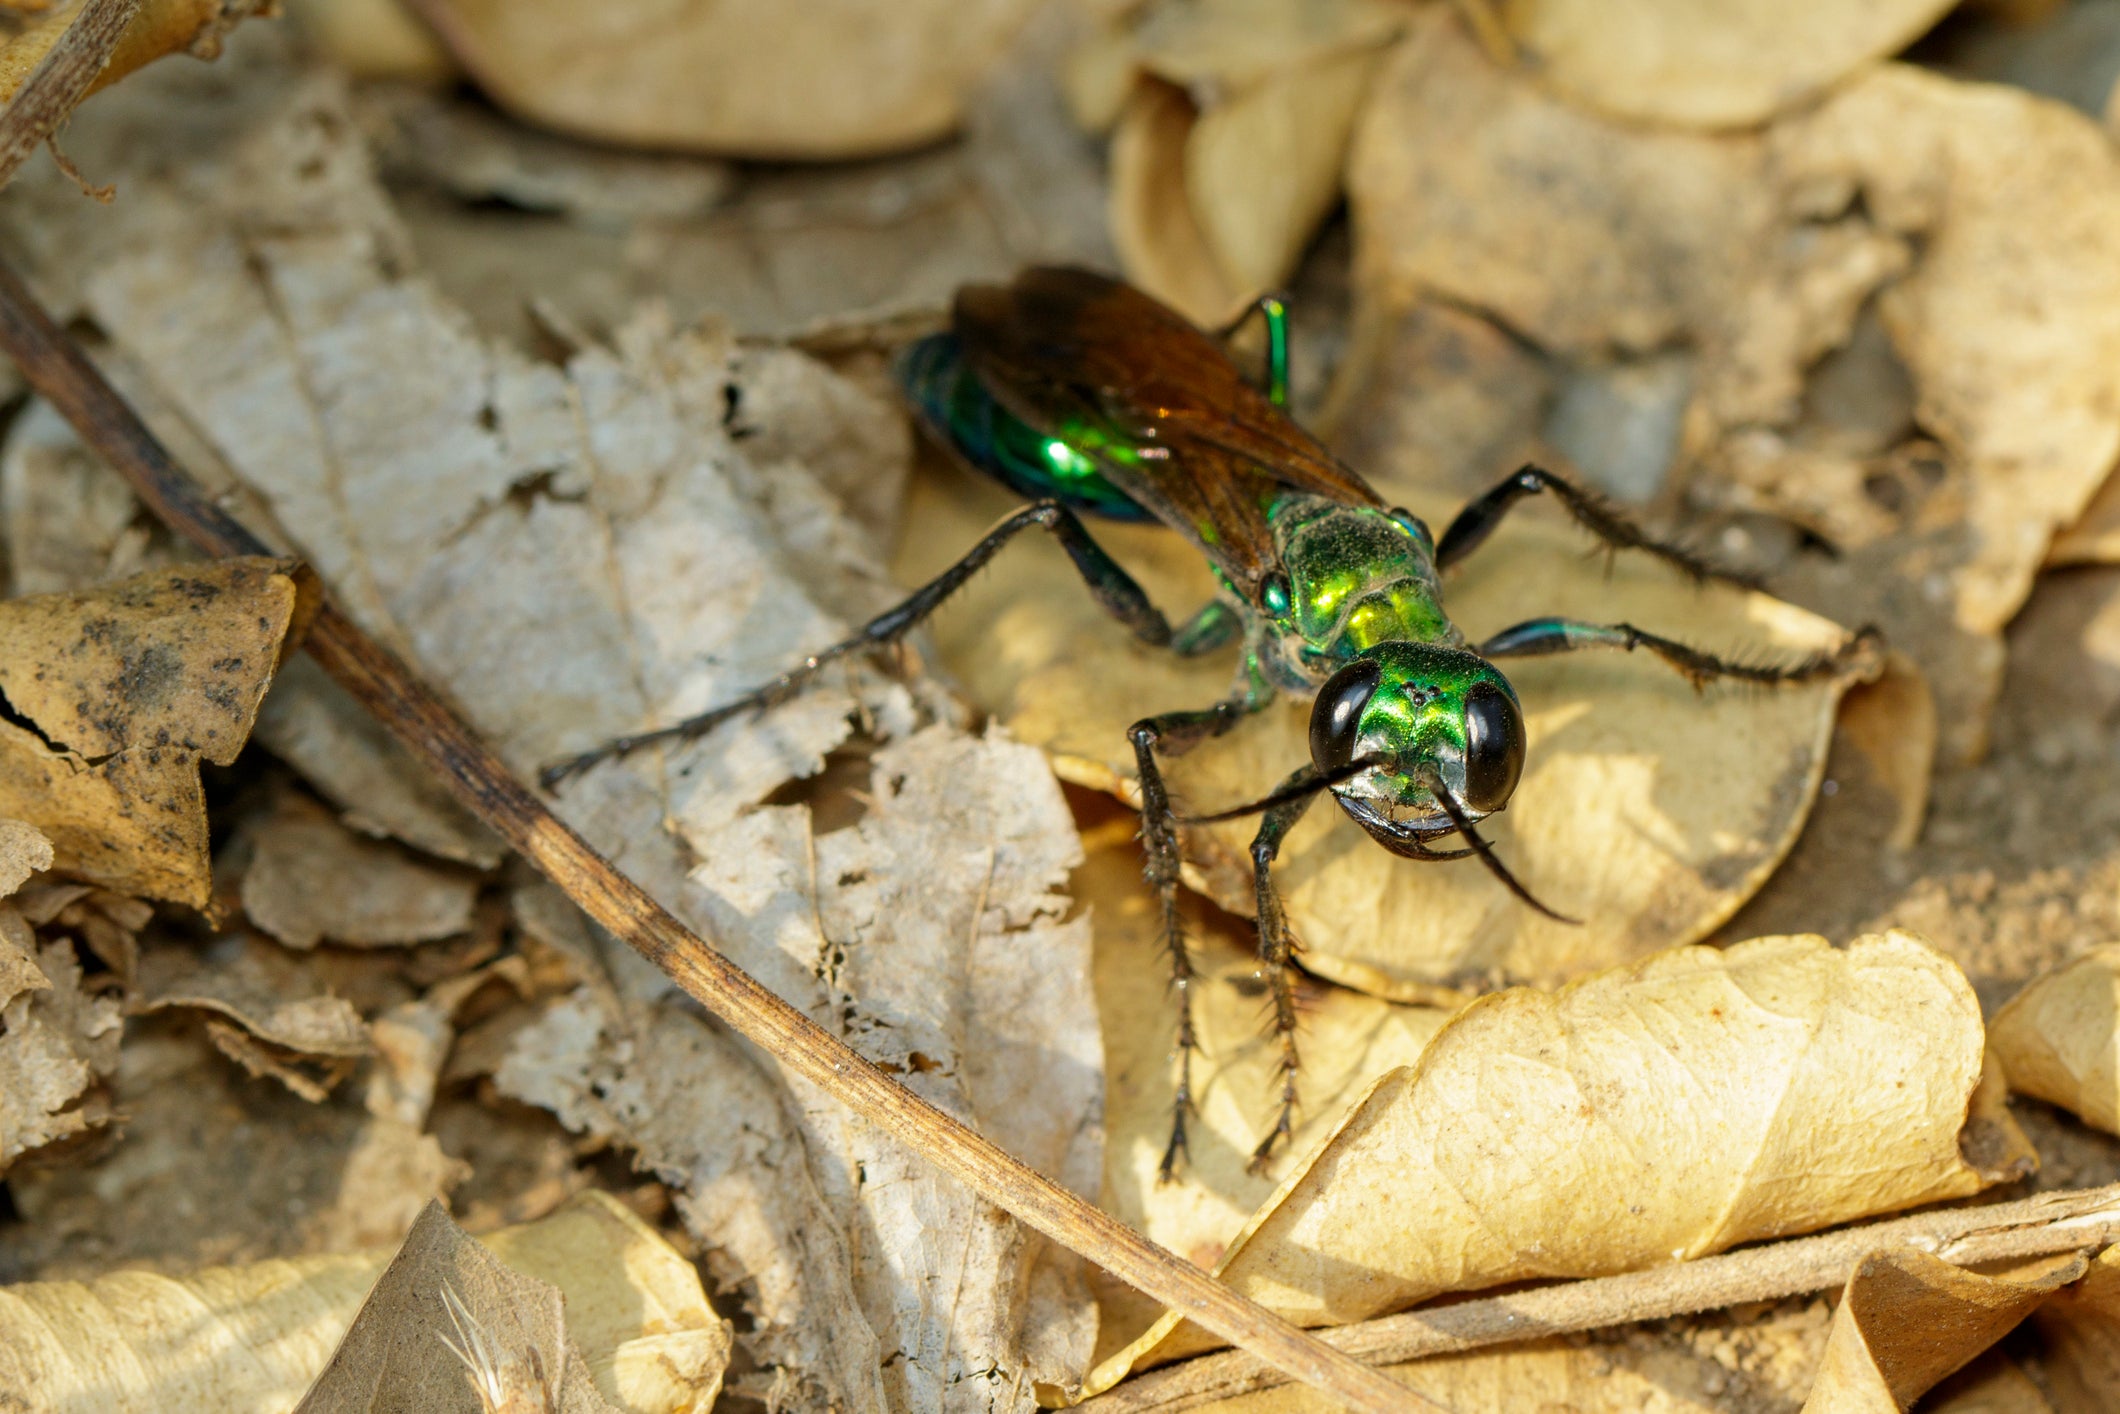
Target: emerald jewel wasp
x,y
1087,396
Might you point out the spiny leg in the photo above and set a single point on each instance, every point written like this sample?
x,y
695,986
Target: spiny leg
x,y
1175,733
1274,311
1113,587
1276,949
1478,519
1538,637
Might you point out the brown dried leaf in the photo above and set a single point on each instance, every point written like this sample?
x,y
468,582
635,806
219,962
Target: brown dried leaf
x,y
2080,1328
753,78
1722,66
309,879
1634,814
287,1022
23,851
129,687
2059,1038
1691,1102
1907,1319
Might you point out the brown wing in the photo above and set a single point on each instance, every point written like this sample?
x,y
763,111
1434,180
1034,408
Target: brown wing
x,y
1168,417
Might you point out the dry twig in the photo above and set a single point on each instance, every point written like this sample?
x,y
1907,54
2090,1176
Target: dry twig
x,y
2050,1222
56,367
61,79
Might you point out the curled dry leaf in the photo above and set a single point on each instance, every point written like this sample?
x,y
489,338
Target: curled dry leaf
x,y
1907,1319
286,1022
1904,192
139,1340
756,78
309,878
1229,150
2059,1038
23,851
1726,66
1636,812
1691,1102
124,689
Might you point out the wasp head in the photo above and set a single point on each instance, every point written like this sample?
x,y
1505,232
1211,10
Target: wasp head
x,y
1432,718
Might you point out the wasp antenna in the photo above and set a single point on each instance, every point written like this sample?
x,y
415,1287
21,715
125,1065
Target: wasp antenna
x,y
1296,790
1486,853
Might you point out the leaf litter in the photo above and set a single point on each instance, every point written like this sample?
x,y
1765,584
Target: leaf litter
x,y
626,514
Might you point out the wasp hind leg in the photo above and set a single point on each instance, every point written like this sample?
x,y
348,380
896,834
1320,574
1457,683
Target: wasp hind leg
x,y
1590,511
1536,638
1173,734
1114,588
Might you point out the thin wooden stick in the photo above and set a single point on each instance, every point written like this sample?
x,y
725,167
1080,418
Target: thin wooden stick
x,y
2060,1221
61,79
56,367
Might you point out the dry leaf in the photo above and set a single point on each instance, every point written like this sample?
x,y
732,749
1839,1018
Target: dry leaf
x,y
23,851
287,1023
1908,1319
310,879
311,723
124,690
1758,252
850,78
58,1043
1634,813
1726,66
374,39
2095,537
1992,1384
2059,1038
1228,154
253,1337
1696,1100
2080,1329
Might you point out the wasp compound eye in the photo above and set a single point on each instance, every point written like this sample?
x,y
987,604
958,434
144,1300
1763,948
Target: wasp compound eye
x,y
1494,746
1336,717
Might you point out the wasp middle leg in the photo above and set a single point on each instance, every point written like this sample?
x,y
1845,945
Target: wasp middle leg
x,y
1535,638
1592,512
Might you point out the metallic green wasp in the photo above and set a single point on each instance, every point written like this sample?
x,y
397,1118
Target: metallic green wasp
x,y
1086,395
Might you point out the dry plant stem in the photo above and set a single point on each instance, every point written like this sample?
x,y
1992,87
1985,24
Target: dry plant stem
x,y
60,81
2059,1221
57,368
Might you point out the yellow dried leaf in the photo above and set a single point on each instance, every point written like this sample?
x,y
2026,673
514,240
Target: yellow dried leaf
x,y
752,78
128,687
252,1337
1908,1319
1635,814
23,851
1228,155
2095,537
1696,1100
2059,1038
1711,66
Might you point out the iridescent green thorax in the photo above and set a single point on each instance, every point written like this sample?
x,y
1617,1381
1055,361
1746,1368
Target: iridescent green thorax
x,y
1357,577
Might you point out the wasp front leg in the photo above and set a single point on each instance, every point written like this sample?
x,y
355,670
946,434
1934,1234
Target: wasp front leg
x,y
1173,734
1277,949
